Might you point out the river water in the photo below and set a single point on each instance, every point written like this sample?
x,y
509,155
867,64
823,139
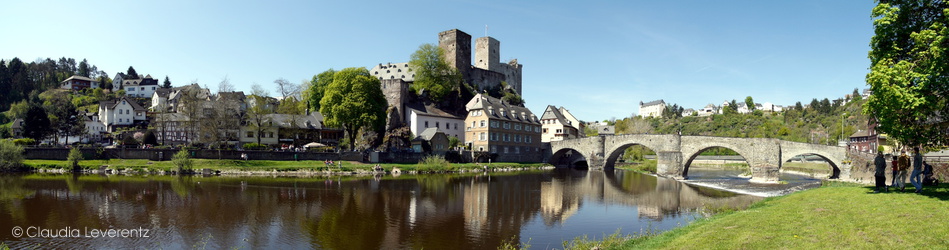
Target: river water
x,y
460,211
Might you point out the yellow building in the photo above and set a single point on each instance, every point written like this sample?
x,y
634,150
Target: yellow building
x,y
510,131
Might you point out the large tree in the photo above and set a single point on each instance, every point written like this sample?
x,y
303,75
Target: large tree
x,y
36,123
313,92
354,101
258,114
287,88
64,118
909,71
432,74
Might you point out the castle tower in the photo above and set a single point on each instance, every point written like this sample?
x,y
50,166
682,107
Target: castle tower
x,y
487,53
457,47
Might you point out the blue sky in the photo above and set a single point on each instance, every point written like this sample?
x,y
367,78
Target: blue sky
x,y
599,59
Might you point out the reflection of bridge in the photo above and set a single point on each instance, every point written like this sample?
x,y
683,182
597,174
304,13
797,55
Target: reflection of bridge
x,y
675,153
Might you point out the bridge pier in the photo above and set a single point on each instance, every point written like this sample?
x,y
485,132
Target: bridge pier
x,y
669,164
765,173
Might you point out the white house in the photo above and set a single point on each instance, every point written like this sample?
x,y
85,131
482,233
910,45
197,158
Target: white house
x,y
555,126
121,112
420,117
79,83
94,130
652,109
709,109
139,87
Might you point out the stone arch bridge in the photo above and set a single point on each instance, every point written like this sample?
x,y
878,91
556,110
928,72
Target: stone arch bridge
x,y
675,153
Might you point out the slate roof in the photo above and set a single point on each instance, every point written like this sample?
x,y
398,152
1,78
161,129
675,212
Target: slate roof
x,y
553,112
429,110
429,133
110,104
489,104
312,121
660,101
16,124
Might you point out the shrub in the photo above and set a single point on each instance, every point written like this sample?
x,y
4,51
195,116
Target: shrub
x,y
11,155
254,146
182,160
453,156
73,158
24,141
435,161
150,138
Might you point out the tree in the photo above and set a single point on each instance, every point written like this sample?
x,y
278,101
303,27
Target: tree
x,y
84,69
432,73
856,95
909,77
149,138
354,101
64,118
750,103
258,114
798,106
167,83
287,89
131,74
313,93
36,123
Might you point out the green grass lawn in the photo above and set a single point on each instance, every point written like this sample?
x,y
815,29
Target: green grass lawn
x,y
841,215
261,165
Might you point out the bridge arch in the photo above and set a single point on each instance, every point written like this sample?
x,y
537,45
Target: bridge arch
x,y
568,157
620,150
688,162
833,155
763,155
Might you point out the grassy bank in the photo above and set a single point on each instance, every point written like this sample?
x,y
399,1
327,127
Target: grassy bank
x,y
839,215
262,165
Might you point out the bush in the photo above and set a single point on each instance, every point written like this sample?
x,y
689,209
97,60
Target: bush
x,y
435,161
254,146
24,142
11,155
150,138
453,156
183,161
73,158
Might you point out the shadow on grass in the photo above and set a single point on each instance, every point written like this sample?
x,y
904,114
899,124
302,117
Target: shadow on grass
x,y
940,192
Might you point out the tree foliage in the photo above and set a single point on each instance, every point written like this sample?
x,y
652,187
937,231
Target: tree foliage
x,y
909,71
354,101
432,74
19,80
313,92
36,123
11,155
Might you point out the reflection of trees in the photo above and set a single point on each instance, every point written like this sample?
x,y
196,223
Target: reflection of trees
x,y
428,211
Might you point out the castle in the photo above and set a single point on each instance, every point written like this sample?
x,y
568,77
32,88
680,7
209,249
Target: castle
x,y
487,71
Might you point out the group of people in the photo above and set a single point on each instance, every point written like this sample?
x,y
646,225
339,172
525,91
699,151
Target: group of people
x,y
899,166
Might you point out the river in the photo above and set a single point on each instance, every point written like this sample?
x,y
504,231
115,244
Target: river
x,y
457,211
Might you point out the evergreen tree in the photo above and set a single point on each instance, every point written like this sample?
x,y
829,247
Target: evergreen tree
x,y
166,84
131,74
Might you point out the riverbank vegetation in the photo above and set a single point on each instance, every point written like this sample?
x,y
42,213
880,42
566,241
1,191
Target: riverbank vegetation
x,y
836,215
141,165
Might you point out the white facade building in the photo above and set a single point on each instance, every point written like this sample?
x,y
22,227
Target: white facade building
x,y
120,112
652,109
421,118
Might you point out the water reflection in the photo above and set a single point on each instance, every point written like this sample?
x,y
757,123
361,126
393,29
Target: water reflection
x,y
424,211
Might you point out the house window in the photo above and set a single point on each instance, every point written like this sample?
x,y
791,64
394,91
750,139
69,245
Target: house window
x,y
482,123
472,124
250,134
494,149
426,124
483,137
494,136
436,125
456,126
507,137
517,138
505,149
507,125
517,126
517,150
537,129
494,124
527,138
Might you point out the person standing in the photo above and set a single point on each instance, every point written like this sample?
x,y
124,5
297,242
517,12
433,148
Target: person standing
x,y
903,164
880,163
915,177
895,170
